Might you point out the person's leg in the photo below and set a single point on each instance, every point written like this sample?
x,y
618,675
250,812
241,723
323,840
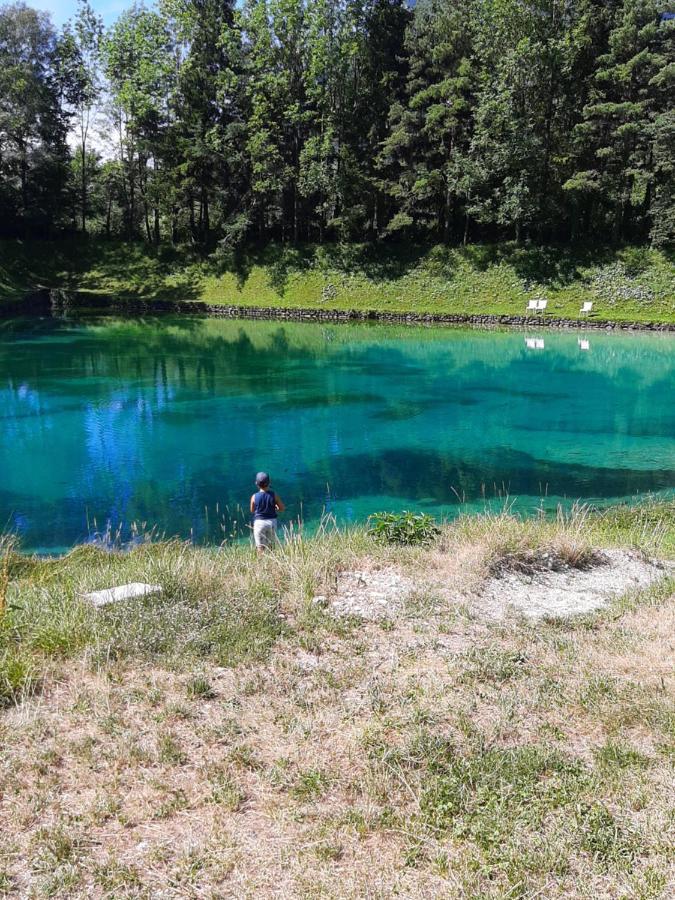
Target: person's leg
x,y
258,537
264,532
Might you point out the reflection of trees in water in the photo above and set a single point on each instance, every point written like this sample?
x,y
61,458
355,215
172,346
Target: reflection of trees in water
x,y
202,346
420,474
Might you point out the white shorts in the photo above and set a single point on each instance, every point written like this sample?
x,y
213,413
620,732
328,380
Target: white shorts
x,y
265,532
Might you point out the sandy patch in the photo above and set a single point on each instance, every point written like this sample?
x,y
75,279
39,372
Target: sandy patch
x,y
570,592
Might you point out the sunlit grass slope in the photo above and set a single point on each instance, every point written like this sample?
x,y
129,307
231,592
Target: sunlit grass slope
x,y
628,283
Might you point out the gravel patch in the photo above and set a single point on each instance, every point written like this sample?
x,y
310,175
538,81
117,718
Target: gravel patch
x,y
570,592
376,594
556,593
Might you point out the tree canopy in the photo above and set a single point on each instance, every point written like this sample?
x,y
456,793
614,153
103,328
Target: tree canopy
x,y
312,120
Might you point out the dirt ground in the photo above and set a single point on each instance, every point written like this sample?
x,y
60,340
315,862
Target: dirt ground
x,y
356,761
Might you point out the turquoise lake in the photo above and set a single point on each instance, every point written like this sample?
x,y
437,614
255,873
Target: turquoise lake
x,y
164,422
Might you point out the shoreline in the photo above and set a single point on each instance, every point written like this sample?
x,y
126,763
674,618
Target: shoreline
x,y
57,301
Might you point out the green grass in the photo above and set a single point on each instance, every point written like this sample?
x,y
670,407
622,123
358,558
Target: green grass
x,y
224,606
624,283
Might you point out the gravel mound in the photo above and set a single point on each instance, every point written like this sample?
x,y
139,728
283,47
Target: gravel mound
x,y
572,591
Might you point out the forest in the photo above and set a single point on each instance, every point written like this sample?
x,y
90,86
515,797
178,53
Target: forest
x,y
214,123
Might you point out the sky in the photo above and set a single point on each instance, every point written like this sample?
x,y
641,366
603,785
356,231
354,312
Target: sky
x,y
62,10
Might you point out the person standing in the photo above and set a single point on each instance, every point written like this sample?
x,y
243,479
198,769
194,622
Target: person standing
x,y
265,506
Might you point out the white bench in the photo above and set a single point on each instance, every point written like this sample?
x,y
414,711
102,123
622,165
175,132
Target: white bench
x,y
537,305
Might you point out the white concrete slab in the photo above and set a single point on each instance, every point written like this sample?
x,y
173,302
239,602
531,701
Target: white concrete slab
x,y
122,592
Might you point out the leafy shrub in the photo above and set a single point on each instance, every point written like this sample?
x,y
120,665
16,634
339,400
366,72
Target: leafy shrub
x,y
403,528
329,292
613,284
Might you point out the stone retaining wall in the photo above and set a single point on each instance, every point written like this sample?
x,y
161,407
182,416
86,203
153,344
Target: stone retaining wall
x,y
58,301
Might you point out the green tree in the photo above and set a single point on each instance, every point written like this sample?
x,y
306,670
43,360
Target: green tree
x,y
275,47
139,66
209,120
379,74
80,61
628,94
431,129
33,123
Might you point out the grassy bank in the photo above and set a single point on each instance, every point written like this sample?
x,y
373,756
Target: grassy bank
x,y
625,284
233,738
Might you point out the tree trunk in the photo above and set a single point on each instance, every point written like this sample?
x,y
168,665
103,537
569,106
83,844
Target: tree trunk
x,y
155,212
108,214
193,227
84,187
132,204
24,186
448,213
206,221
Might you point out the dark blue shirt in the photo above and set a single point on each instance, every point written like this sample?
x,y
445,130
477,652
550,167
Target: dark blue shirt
x,y
264,505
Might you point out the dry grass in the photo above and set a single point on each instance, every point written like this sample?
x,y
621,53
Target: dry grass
x,y
232,742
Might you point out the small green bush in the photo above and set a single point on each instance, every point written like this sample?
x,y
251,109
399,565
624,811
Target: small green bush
x,y
403,528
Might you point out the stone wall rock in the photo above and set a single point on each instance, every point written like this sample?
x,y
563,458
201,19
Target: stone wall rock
x,y
59,301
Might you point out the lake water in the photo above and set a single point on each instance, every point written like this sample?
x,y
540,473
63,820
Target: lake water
x,y
166,421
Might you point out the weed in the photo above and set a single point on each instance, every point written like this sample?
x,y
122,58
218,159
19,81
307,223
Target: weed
x,y
243,756
173,801
309,785
650,885
17,676
598,690
4,578
616,756
226,792
53,847
200,688
329,852
116,877
489,791
403,528
7,884
603,837
170,751
494,664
